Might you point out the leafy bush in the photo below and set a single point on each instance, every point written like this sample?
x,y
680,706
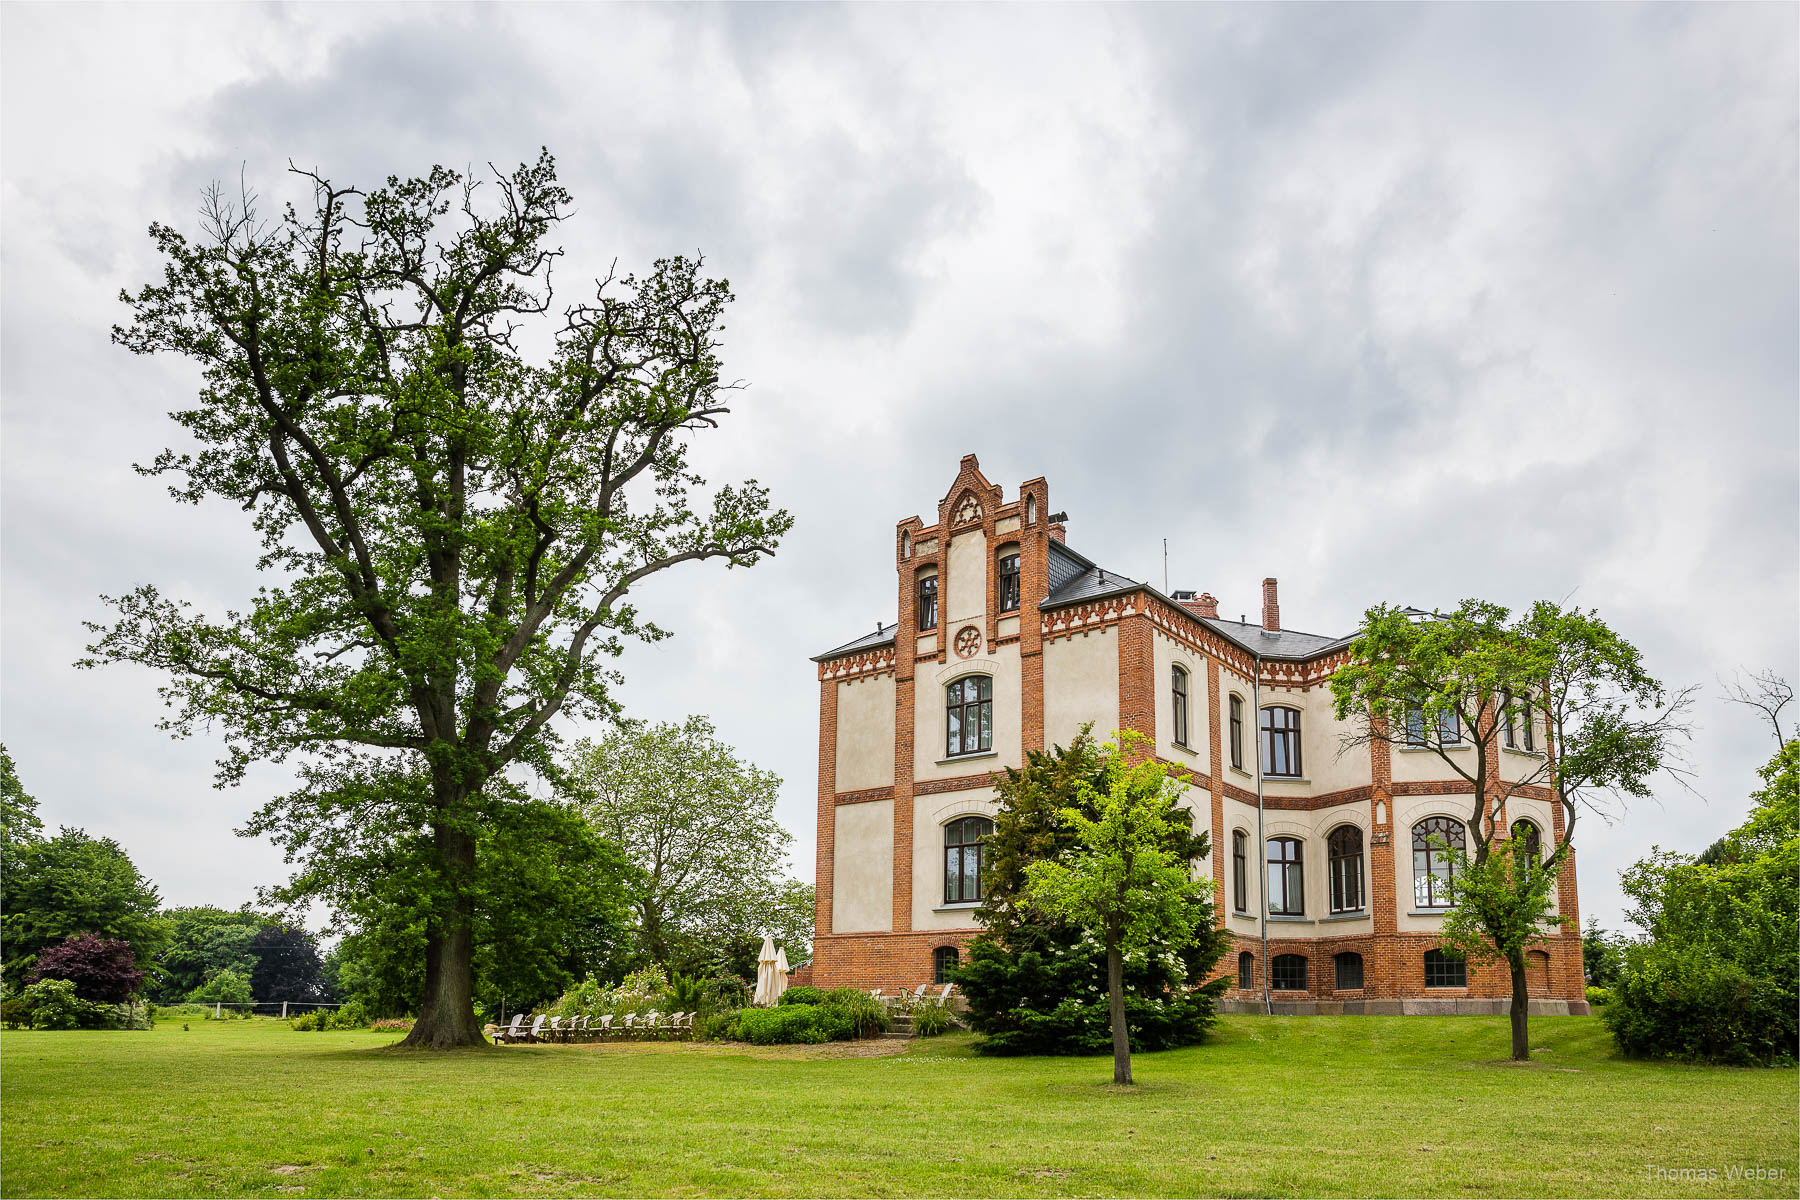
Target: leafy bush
x,y
719,1026
1717,981
53,1004
14,1013
726,991
102,969
1598,996
227,985
792,1024
1686,1002
802,995
867,1015
931,1019
686,992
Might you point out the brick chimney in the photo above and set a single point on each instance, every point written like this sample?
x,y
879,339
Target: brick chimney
x,y
1271,608
1059,532
1205,605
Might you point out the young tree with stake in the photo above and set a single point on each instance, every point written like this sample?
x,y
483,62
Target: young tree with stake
x,y
1476,679
451,526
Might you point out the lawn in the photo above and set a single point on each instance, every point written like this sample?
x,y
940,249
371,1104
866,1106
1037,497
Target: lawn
x,y
1377,1106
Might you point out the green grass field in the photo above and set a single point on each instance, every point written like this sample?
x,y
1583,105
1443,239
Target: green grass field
x,y
1353,1106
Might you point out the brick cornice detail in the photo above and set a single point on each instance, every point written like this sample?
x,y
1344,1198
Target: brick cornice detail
x,y
1355,795
864,796
870,662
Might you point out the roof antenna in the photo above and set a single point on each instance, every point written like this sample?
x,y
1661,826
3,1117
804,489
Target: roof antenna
x,y
1165,566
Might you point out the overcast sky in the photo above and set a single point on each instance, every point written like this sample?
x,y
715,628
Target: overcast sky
x,y
1402,304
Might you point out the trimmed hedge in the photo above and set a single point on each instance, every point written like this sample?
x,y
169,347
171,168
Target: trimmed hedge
x,y
802,995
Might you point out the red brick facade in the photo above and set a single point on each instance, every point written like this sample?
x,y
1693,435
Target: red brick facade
x,y
903,956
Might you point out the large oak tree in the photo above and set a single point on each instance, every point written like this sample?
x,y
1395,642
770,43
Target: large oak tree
x,y
451,523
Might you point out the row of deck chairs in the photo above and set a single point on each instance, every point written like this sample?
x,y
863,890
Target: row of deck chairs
x,y
652,1026
905,999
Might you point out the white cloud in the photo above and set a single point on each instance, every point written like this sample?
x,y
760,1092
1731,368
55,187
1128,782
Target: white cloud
x,y
1302,282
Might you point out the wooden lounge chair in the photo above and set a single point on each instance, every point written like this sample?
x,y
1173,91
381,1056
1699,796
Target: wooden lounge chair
x,y
511,1033
945,997
653,1024
606,1028
630,1030
536,1033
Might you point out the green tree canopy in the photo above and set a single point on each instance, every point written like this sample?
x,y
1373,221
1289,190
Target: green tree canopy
x,y
201,940
697,824
1719,976
71,884
549,909
1121,882
1478,672
451,521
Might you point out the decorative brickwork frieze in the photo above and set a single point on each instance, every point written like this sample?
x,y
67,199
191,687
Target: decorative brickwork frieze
x,y
956,783
865,795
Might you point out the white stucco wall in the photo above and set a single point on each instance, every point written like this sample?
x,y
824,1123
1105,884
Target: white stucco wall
x,y
865,733
862,879
1081,683
964,596
1198,752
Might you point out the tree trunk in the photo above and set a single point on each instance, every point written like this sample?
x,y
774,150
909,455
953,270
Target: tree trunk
x,y
447,1013
1521,1007
1115,989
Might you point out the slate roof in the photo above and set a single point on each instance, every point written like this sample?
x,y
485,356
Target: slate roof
x,y
883,636
1074,578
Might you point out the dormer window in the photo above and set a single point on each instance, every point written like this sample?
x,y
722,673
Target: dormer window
x,y
1009,582
927,602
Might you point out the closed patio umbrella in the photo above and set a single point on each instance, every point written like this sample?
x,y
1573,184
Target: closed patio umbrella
x,y
765,975
781,971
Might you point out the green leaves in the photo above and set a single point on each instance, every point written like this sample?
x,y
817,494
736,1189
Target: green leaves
x,y
451,525
1121,878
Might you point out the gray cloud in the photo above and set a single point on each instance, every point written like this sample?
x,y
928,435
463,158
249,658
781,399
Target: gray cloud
x,y
1308,284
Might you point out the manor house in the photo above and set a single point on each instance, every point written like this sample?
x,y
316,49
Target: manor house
x,y
1006,640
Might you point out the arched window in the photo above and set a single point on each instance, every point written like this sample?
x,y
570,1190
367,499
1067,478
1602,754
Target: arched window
x,y
1347,967
1433,867
1178,689
1281,742
906,545
1237,732
1287,973
963,853
1246,970
969,716
1345,851
1443,971
1526,840
943,959
1240,870
1287,883
1009,579
927,602
1031,510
